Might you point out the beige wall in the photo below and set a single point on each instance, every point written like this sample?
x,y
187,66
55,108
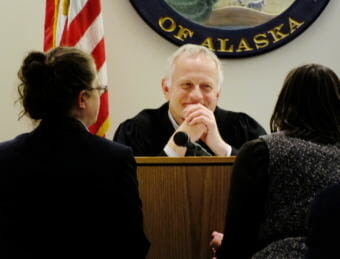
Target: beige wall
x,y
136,57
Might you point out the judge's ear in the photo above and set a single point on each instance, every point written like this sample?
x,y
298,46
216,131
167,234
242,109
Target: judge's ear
x,y
218,94
82,99
166,88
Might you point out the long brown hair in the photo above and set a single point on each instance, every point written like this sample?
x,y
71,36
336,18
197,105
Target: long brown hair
x,y
308,106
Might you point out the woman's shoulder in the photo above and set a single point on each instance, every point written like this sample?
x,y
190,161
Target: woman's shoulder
x,y
107,145
14,147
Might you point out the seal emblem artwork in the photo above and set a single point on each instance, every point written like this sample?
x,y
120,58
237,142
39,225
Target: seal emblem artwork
x,y
230,28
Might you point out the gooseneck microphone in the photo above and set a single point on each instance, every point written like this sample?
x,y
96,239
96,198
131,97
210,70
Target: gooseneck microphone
x,y
182,139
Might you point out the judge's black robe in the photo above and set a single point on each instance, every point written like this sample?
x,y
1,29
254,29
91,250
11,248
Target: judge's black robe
x,y
148,132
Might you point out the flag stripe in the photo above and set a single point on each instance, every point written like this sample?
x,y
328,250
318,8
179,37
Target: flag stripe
x,y
51,6
75,8
102,74
92,36
98,54
60,22
103,128
82,22
102,115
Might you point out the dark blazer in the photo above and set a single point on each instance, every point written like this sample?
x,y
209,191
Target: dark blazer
x,y
148,132
273,181
324,225
67,193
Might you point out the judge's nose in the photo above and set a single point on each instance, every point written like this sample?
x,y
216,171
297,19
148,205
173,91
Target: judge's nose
x,y
196,94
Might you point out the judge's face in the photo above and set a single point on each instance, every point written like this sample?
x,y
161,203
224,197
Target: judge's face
x,y
194,80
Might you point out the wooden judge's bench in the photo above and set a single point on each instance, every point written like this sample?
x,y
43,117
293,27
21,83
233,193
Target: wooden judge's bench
x,y
184,199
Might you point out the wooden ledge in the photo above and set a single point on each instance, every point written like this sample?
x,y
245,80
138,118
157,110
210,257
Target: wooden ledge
x,y
185,160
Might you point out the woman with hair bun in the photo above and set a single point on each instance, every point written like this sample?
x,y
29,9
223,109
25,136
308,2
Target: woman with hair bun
x,y
63,191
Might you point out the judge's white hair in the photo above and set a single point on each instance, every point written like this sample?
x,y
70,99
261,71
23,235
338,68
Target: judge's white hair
x,y
193,50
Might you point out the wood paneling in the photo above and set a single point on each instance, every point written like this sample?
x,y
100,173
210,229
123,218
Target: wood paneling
x,y
184,199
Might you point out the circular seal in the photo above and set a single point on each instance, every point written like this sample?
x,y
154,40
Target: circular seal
x,y
230,28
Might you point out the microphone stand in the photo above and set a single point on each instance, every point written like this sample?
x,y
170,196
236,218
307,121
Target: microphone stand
x,y
182,139
198,150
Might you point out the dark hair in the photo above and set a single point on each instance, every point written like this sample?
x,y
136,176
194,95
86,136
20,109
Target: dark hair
x,y
308,106
52,81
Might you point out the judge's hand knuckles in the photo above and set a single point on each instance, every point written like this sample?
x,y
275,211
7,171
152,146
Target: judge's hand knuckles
x,y
195,108
196,131
202,119
194,113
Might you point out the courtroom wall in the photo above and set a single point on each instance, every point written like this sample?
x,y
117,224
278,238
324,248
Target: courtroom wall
x,y
136,59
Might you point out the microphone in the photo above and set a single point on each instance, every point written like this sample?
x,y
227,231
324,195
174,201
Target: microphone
x,y
182,139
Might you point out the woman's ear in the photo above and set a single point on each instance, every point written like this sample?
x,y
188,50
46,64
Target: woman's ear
x,y
81,100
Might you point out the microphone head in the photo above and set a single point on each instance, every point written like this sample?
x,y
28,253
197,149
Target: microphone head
x,y
181,139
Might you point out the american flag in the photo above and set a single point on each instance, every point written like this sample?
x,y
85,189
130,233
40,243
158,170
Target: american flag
x,y
79,23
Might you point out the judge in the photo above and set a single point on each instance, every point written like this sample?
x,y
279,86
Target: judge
x,y
192,86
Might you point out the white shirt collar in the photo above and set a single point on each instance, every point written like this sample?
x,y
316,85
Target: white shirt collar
x,y
172,120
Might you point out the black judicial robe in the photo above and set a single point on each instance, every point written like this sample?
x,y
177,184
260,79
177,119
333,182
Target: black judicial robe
x,y
148,132
65,192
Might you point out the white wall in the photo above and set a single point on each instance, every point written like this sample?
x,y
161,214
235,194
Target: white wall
x,y
136,57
